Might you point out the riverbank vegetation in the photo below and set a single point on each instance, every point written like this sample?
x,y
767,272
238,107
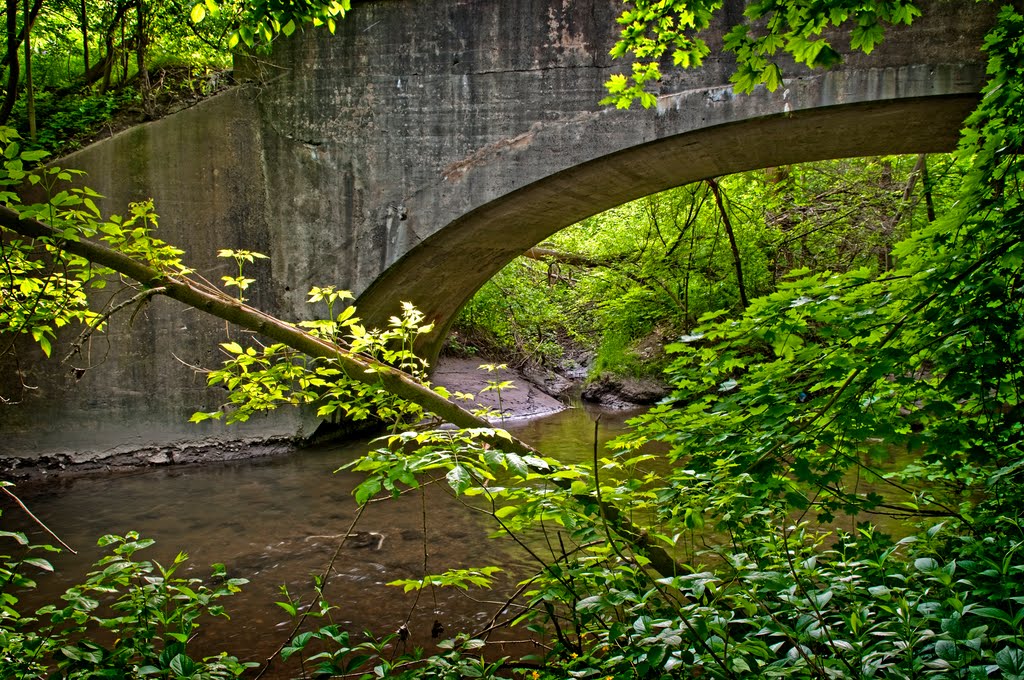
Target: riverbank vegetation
x,y
815,327
612,290
75,70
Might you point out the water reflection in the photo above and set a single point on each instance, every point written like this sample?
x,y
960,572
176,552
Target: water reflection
x,y
278,521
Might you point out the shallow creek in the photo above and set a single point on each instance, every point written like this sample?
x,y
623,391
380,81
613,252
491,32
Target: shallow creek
x,y
277,521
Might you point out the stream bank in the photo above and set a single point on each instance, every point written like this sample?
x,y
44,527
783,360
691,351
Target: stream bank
x,y
572,373
530,392
522,401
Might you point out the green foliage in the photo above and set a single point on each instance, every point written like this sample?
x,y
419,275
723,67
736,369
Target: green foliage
x,y
654,29
264,377
261,21
241,282
654,266
129,618
460,657
100,62
778,409
810,378
458,578
517,313
43,287
856,610
64,121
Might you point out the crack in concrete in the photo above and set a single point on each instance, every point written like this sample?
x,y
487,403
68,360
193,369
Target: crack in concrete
x,y
536,69
458,169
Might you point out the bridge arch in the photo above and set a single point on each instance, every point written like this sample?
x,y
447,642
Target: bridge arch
x,y
435,140
453,154
442,272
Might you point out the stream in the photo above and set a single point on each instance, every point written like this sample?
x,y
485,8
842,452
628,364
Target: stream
x,y
277,521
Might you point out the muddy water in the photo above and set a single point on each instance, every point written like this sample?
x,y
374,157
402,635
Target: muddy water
x,y
277,522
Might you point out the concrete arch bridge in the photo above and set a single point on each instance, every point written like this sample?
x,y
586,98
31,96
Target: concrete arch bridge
x,y
421,148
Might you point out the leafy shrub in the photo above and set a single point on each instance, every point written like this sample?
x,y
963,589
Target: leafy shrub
x,y
130,618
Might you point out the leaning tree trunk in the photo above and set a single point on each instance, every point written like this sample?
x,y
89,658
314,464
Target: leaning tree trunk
x,y
30,95
13,63
737,263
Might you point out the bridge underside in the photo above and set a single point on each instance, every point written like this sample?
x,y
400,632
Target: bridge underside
x,y
440,274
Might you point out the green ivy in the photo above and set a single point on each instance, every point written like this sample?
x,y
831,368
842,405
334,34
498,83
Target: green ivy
x,y
655,29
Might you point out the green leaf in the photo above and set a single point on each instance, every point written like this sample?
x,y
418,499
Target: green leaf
x,y
34,155
232,347
1011,662
772,77
459,479
865,38
39,563
183,665
198,13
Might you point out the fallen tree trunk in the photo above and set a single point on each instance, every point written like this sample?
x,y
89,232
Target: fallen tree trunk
x,y
210,300
574,259
356,367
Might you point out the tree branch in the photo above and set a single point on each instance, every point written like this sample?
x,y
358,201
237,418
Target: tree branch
x,y
744,302
356,367
140,297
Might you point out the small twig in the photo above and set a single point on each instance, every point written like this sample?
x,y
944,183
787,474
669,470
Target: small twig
x,y
36,519
197,369
493,623
323,586
597,491
140,297
426,555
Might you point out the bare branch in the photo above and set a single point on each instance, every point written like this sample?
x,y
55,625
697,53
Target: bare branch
x,y
36,519
139,298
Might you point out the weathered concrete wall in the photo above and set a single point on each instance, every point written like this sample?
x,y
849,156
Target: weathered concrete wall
x,y
446,137
418,150
204,169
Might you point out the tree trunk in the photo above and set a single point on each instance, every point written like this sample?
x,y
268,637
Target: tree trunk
x,y
124,55
744,302
9,55
908,201
574,259
30,95
926,187
105,68
141,44
13,63
85,37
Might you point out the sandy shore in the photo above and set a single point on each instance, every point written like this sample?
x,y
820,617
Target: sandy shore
x,y
524,400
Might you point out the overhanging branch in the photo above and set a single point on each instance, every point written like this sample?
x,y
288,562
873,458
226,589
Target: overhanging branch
x,y
356,367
